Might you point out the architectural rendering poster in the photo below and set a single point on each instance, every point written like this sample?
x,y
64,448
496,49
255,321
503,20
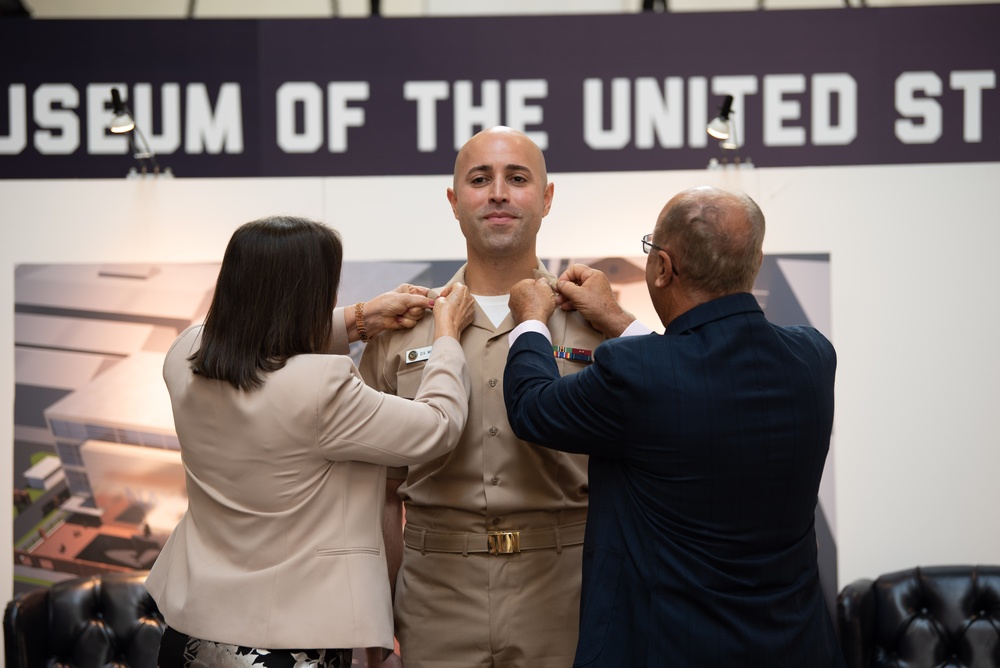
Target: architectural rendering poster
x,y
98,481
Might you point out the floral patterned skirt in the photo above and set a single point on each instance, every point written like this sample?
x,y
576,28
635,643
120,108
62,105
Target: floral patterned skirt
x,y
178,650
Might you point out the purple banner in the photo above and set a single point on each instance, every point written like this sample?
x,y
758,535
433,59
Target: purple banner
x,y
598,93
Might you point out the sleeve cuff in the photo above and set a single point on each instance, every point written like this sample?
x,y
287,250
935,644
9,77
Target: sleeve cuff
x,y
338,334
636,329
529,326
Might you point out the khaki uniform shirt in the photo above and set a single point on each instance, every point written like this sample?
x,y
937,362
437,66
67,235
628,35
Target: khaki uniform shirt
x,y
492,480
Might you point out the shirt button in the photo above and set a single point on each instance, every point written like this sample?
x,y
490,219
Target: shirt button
x,y
495,481
496,521
493,382
494,431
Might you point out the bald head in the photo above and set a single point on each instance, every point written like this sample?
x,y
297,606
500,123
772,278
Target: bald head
x,y
487,146
718,238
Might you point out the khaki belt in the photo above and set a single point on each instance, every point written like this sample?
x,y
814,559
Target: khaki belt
x,y
493,542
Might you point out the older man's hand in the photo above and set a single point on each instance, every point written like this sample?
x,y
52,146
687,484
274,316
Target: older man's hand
x,y
532,299
588,291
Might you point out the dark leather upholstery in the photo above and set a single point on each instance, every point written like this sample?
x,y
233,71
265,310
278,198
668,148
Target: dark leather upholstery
x,y
100,621
923,617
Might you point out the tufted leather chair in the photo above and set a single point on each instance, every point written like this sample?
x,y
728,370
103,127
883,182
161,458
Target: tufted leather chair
x,y
102,621
923,617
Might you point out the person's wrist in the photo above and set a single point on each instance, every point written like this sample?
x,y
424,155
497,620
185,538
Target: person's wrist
x,y
531,314
359,319
619,324
444,329
542,315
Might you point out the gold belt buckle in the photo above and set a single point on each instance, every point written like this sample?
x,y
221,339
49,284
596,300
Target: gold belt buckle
x,y
504,542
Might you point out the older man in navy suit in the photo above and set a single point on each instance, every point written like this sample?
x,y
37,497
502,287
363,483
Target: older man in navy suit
x,y
707,444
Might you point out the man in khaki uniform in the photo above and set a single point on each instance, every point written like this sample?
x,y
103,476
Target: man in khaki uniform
x,y
492,562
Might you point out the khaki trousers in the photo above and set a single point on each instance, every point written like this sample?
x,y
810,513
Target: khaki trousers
x,y
489,611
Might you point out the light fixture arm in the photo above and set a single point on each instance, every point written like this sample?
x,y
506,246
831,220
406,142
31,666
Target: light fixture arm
x,y
723,128
141,150
731,143
123,123
719,127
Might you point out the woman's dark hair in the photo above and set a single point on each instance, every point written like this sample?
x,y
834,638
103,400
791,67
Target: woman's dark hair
x,y
273,299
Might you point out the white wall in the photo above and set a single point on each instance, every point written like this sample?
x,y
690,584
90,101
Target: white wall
x,y
914,305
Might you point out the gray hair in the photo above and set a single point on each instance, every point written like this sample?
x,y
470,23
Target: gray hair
x,y
718,237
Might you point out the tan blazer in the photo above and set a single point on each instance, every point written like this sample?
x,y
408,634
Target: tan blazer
x,y
281,546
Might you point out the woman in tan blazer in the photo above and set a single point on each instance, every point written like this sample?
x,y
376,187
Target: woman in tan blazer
x,y
279,559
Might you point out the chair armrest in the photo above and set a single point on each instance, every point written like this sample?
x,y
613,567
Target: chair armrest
x,y
25,628
855,622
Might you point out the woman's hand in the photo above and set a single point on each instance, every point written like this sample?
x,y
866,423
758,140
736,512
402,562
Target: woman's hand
x,y
453,311
400,309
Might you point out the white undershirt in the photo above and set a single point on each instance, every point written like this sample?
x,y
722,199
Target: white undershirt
x,y
496,307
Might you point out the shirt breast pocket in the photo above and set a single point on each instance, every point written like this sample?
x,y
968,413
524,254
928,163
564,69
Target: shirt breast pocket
x,y
568,367
408,380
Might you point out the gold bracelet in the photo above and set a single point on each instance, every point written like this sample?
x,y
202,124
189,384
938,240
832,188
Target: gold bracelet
x,y
359,318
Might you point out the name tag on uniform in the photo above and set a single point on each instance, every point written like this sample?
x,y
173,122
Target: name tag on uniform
x,y
418,354
575,354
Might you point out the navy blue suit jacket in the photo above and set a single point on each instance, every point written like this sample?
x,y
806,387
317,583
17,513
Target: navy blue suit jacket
x,y
707,445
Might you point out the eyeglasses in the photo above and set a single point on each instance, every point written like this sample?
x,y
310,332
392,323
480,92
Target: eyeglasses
x,y
647,244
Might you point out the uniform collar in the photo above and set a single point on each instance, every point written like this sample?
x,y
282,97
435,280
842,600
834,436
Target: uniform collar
x,y
481,320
